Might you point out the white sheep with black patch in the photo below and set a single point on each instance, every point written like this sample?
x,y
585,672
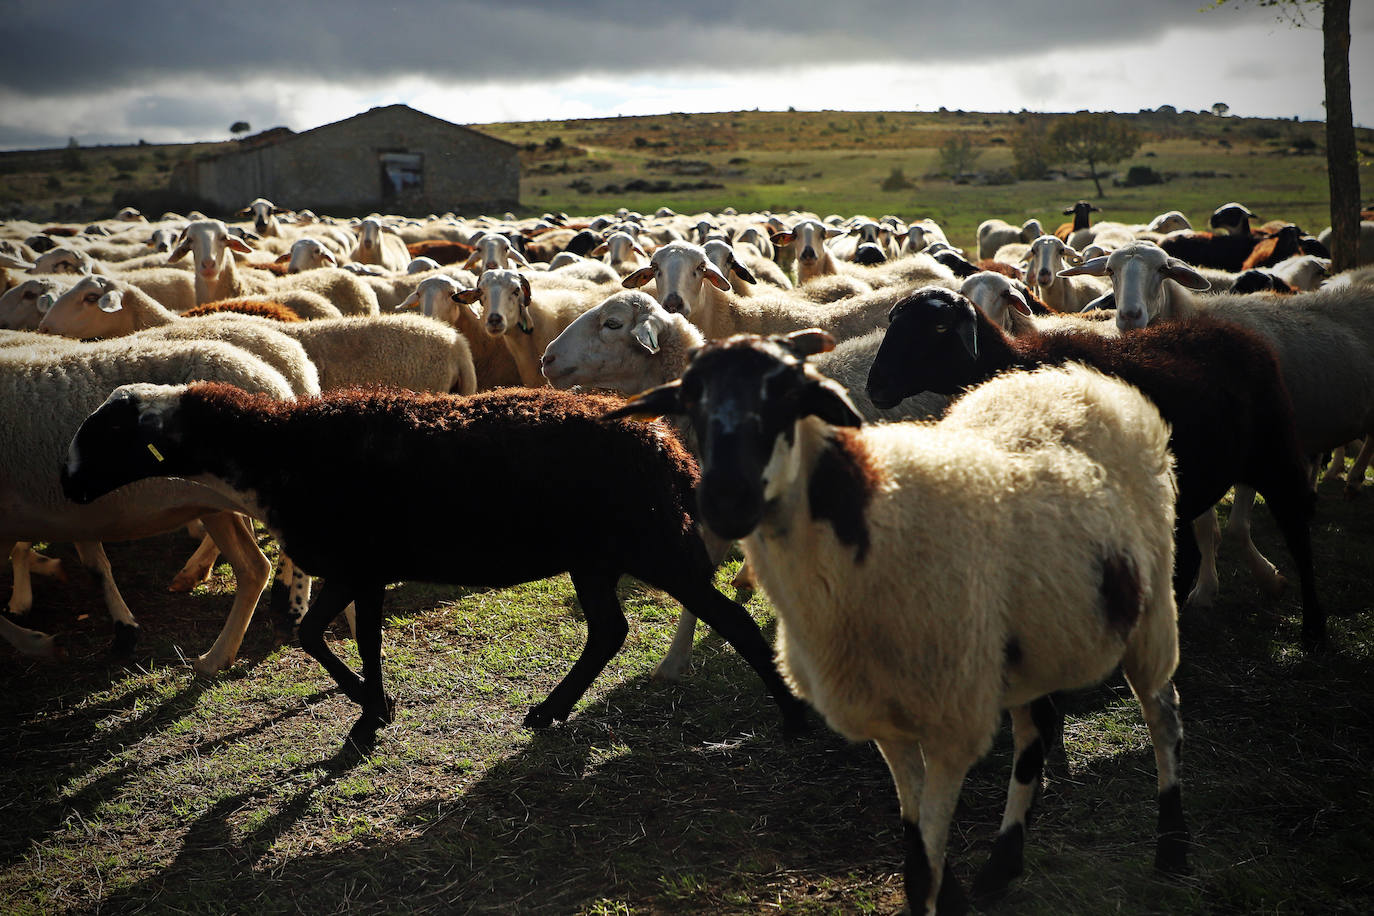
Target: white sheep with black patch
x,y
834,519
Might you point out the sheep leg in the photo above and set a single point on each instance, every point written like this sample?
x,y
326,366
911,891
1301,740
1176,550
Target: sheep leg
x,y
1265,573
28,642
1033,726
289,597
928,789
1354,478
606,631
679,654
1292,503
378,708
197,568
1188,563
1206,535
733,623
27,562
329,601
1160,709
92,554
251,571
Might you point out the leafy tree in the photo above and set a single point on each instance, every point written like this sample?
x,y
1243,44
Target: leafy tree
x,y
1093,139
239,127
1220,109
957,156
1342,162
1030,151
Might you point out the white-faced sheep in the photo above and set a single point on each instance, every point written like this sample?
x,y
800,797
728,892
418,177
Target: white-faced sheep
x,y
1046,258
994,233
1324,341
629,486
22,307
491,358
378,244
217,277
264,213
1217,385
71,379
833,518
526,324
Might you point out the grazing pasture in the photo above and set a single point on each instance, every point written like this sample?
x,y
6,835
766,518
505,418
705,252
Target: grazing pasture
x,y
140,786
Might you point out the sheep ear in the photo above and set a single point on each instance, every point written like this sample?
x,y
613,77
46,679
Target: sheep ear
x,y
8,260
112,301
239,245
472,260
782,238
1097,267
741,271
646,332
635,246
826,398
1184,275
244,212
639,277
715,277
526,322
1105,301
968,336
179,252
806,342
329,256
1072,256
467,296
1018,302
286,258
518,257
409,302
663,401
598,250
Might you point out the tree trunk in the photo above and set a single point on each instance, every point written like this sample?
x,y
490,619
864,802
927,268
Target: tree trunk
x,y
1342,164
1092,170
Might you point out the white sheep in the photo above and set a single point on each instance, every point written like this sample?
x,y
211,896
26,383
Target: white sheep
x,y
994,233
621,252
526,324
1044,262
22,307
70,380
264,213
493,251
744,267
171,286
491,358
834,519
217,277
380,245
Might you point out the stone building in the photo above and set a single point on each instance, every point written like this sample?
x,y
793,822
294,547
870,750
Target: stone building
x,y
392,160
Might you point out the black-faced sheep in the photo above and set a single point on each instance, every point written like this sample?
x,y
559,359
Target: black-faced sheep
x,y
614,499
834,519
1216,384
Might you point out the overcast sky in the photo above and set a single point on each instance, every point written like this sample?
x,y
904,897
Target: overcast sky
x,y
172,70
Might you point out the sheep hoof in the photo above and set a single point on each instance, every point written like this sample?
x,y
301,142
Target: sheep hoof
x,y
206,666
125,638
538,717
670,672
1004,864
1171,855
186,580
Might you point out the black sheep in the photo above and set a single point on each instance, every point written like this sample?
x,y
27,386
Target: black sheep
x,y
576,494
1217,384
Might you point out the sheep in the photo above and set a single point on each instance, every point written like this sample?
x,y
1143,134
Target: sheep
x,y
835,518
508,304
807,241
22,307
492,360
216,276
922,234
1364,247
1010,304
264,213
441,250
1324,341
1082,218
1206,249
1044,261
492,251
994,233
1303,272
1287,242
621,252
99,307
172,287
686,281
1258,280
380,245
70,380
744,269
1217,385
625,487
1168,221
262,308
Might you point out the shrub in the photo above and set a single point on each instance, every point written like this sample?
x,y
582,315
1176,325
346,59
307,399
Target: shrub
x,y
1141,175
896,180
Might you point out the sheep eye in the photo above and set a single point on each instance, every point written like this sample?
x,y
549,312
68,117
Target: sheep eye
x,y
92,298
614,324
941,328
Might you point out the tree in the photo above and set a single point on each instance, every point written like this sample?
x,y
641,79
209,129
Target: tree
x,y
1342,162
1220,108
1030,151
957,156
1093,139
239,127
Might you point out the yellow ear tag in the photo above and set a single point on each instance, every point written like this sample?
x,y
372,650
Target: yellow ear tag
x,y
156,454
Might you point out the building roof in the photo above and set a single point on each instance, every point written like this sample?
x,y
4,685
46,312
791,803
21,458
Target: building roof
x,y
278,135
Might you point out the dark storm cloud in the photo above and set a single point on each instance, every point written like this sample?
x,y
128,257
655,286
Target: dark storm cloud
x,y
79,46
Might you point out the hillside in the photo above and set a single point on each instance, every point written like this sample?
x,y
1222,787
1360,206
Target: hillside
x,y
828,161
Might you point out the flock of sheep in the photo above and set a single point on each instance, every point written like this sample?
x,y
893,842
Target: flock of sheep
x,y
1098,388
